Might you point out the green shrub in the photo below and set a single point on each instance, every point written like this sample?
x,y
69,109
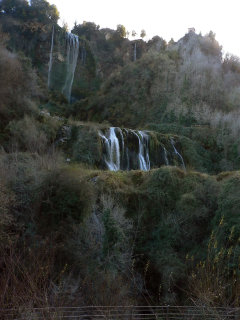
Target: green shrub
x,y
85,145
66,198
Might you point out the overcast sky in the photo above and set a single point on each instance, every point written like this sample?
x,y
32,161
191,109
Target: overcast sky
x,y
166,18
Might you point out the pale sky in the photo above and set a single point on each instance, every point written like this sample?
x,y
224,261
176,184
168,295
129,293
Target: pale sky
x,y
166,18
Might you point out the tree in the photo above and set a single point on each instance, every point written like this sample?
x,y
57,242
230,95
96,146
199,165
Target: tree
x,y
158,43
134,33
121,30
88,30
65,26
43,10
39,10
143,34
210,46
171,42
13,7
231,63
211,35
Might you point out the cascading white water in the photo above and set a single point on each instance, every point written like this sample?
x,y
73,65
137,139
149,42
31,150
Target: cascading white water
x,y
51,58
165,156
116,157
126,149
178,154
111,142
71,61
144,162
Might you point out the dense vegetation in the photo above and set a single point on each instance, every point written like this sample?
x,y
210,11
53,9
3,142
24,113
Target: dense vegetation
x,y
73,234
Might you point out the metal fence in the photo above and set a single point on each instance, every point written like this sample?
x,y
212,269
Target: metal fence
x,y
122,313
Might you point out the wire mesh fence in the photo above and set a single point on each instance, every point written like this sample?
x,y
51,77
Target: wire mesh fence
x,y
122,313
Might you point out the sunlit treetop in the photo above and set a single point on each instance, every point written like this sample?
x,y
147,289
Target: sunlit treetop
x,y
40,10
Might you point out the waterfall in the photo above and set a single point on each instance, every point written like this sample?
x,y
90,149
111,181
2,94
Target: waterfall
x,y
143,150
111,143
51,58
135,52
144,162
71,61
121,152
127,149
165,156
178,154
83,55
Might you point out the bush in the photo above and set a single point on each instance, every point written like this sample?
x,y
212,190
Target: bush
x,y
17,86
66,198
7,220
28,136
85,145
34,135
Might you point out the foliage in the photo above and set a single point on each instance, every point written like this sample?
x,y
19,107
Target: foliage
x,y
143,33
87,30
43,10
7,199
85,146
16,76
150,221
27,135
134,96
64,198
215,280
13,7
121,30
74,234
39,9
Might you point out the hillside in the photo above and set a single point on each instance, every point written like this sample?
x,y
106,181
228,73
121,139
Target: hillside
x,y
119,166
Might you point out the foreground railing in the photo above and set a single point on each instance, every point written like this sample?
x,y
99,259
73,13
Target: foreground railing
x,y
122,313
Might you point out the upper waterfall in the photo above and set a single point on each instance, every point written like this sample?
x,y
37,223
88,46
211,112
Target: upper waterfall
x,y
51,58
135,52
71,62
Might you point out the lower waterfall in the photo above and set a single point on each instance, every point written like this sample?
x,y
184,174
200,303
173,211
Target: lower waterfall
x,y
178,154
165,156
113,156
144,162
126,149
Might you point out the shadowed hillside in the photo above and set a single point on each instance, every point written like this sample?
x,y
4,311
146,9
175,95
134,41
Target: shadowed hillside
x,y
119,161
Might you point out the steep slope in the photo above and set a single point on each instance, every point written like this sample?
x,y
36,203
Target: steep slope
x,y
163,226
